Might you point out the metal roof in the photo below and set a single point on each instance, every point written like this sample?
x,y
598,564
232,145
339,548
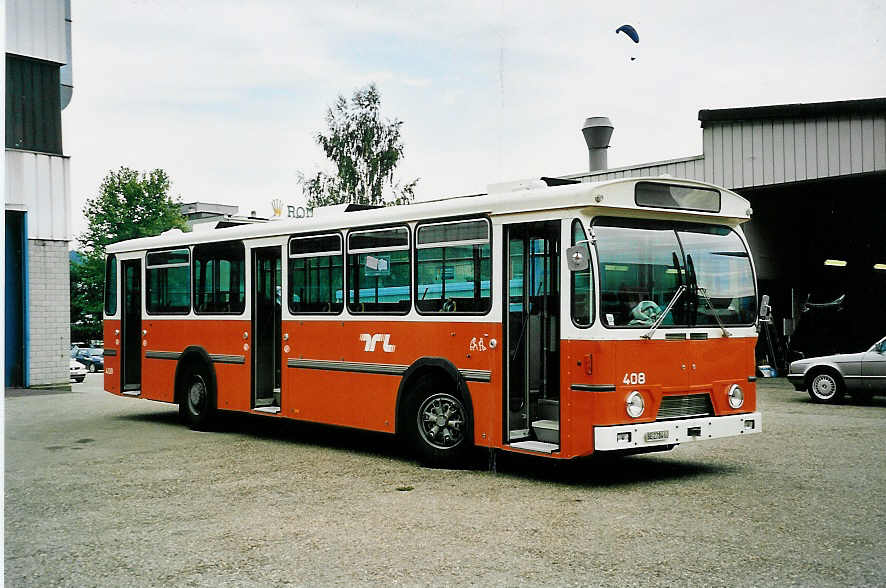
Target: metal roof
x,y
794,111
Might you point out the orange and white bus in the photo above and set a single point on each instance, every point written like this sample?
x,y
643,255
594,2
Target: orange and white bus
x,y
558,320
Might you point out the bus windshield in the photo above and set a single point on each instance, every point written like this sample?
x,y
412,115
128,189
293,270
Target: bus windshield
x,y
642,264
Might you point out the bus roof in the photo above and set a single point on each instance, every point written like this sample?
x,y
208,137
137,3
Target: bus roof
x,y
593,198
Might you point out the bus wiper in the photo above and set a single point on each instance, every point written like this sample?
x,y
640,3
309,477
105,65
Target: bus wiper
x,y
657,323
704,295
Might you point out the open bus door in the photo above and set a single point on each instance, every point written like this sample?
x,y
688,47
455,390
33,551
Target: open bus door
x,y
532,366
131,340
267,289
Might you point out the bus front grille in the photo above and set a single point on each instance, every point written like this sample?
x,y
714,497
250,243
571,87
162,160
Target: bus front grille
x,y
681,407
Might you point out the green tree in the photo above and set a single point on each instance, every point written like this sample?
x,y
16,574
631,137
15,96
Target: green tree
x,y
129,205
365,150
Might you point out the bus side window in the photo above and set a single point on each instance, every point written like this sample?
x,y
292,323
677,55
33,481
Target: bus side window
x,y
379,271
111,286
316,274
453,267
168,281
220,278
582,283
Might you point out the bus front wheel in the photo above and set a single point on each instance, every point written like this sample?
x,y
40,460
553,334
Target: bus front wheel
x,y
197,402
438,425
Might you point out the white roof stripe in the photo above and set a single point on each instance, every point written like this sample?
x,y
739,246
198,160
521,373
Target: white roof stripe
x,y
616,194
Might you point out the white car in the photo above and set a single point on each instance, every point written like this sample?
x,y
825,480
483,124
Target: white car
x,y
828,378
78,371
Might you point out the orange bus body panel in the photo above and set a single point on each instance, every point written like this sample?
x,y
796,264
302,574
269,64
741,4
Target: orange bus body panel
x,y
222,337
730,360
368,400
112,362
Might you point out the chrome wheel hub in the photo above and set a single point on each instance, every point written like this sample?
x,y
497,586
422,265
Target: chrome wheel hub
x,y
441,421
197,395
824,386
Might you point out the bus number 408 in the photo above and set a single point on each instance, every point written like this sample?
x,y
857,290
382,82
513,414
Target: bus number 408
x,y
635,378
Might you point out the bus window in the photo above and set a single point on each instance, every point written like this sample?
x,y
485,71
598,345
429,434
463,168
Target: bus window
x,y
379,273
640,271
582,283
168,282
219,278
453,267
111,286
643,264
316,274
717,260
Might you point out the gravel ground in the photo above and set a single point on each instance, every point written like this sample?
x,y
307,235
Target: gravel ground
x,y
103,491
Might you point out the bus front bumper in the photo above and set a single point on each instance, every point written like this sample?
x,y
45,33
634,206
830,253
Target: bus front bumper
x,y
662,433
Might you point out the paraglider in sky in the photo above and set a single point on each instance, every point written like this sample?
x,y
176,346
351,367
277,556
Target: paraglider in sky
x,y
629,31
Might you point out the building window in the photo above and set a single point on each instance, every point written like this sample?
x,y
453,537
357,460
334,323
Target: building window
x,y
33,105
111,286
316,274
220,278
168,282
379,274
453,269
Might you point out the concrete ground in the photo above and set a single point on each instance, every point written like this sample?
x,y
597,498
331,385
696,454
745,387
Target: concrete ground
x,y
103,491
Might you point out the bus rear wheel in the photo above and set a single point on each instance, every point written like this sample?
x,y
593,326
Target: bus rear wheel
x,y
438,425
197,400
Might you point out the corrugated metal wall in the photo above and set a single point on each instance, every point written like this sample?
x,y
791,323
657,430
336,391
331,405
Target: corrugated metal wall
x,y
41,184
36,28
745,154
689,167
764,152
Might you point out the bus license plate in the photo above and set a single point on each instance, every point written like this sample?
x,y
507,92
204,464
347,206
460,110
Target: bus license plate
x,y
656,436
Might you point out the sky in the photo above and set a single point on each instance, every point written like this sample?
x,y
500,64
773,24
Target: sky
x,y
228,96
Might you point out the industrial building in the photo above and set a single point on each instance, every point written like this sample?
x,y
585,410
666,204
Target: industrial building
x,y
37,193
815,175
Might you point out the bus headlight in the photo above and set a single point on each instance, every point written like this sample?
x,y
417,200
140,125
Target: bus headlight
x,y
635,404
736,396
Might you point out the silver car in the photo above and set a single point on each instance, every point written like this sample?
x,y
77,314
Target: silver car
x,y
828,378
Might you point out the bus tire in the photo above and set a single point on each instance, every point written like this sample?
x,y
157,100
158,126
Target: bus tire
x,y
437,424
197,404
826,387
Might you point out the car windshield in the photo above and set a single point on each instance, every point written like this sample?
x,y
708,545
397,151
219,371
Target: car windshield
x,y
96,351
642,264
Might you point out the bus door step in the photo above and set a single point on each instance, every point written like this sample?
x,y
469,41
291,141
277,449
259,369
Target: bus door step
x,y
269,409
539,446
132,392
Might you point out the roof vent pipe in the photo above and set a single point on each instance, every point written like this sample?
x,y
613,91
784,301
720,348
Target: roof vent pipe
x,y
597,131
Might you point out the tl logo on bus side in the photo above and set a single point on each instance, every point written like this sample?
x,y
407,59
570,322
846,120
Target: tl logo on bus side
x,y
372,340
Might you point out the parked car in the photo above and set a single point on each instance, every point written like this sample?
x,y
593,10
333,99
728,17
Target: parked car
x,y
91,357
828,378
78,371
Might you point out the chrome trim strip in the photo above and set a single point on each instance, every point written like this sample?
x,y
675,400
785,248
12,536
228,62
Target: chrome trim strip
x,y
675,336
593,387
109,352
348,366
476,375
387,369
162,354
698,336
752,378
222,358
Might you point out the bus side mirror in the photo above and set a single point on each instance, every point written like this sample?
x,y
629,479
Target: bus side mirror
x,y
765,311
577,258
